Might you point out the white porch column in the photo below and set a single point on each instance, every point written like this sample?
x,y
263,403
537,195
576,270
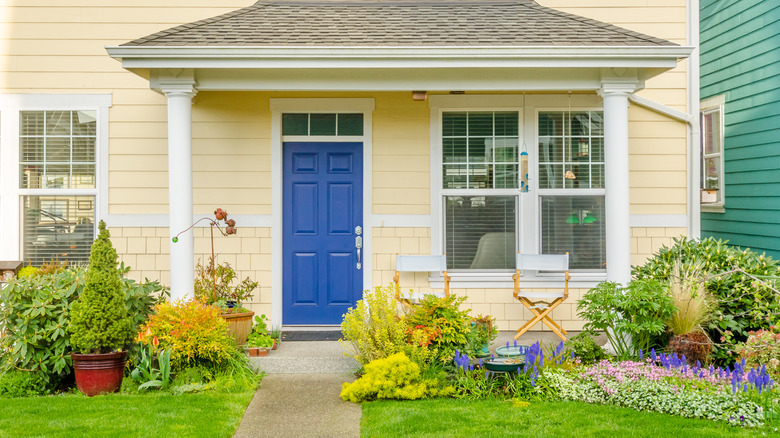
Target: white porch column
x,y
180,188
616,173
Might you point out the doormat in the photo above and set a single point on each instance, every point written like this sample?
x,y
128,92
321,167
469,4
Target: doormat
x,y
329,335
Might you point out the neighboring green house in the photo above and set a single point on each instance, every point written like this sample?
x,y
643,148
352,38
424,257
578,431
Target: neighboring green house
x,y
740,121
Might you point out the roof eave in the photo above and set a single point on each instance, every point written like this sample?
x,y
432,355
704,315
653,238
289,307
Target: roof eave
x,y
135,57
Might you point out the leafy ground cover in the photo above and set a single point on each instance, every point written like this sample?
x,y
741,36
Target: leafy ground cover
x,y
498,417
208,414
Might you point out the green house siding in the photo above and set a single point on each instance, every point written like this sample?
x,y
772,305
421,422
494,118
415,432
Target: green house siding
x,y
740,60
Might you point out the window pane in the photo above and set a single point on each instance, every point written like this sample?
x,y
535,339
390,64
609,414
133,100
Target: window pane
x,y
57,228
454,124
506,123
480,232
83,176
57,149
455,177
31,176
84,149
712,133
454,150
295,124
551,176
550,124
712,173
575,224
580,123
57,176
478,152
32,150
350,124
479,177
506,176
57,122
505,150
322,124
480,124
84,123
551,150
31,122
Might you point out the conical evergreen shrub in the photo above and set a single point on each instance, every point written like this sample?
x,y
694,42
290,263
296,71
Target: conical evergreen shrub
x,y
99,320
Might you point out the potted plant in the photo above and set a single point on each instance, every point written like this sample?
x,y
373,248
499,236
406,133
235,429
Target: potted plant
x,y
100,325
213,282
213,286
484,331
259,341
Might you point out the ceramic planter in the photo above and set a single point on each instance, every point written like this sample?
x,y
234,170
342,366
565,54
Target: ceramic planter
x,y
99,373
239,325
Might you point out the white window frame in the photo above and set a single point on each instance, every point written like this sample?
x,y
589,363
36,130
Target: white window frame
x,y
11,106
529,223
711,106
594,274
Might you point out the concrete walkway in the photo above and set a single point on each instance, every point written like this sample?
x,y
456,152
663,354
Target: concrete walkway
x,y
300,405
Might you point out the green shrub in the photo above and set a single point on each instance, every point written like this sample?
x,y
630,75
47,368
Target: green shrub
x,y
585,348
34,318
213,284
740,282
393,377
14,383
99,320
193,331
27,271
629,316
141,298
443,316
373,328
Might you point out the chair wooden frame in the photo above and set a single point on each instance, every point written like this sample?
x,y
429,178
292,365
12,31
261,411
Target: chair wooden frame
x,y
419,263
542,262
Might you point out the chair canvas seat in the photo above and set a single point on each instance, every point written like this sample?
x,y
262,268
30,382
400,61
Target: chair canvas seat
x,y
551,300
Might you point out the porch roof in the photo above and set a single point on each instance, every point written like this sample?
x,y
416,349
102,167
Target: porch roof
x,y
507,23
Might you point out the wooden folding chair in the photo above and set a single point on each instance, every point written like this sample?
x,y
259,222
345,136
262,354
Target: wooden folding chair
x,y
545,302
419,263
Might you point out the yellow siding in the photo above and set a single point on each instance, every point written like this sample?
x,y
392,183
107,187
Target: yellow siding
x,y
659,18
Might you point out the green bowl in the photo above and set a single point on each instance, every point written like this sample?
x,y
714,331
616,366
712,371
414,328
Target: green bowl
x,y
504,363
512,350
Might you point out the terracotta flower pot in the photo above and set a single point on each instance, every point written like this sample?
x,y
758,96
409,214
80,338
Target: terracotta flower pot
x,y
239,325
99,373
258,351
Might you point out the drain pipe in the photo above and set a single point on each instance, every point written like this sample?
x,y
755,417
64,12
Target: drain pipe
x,y
693,155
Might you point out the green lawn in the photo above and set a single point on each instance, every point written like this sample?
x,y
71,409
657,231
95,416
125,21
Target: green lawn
x,y
209,414
498,418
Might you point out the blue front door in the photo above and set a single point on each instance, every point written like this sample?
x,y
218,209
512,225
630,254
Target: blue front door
x,y
323,208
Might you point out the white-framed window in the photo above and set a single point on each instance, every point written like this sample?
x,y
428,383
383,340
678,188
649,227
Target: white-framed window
x,y
50,175
480,153
483,219
712,178
571,186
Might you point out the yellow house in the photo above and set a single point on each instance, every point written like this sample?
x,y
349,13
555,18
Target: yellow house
x,y
338,134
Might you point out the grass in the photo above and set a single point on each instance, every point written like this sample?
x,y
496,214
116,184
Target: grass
x,y
209,414
488,418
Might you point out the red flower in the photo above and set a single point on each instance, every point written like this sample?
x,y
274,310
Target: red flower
x,y
155,342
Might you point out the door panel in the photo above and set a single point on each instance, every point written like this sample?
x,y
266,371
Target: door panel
x,y
322,206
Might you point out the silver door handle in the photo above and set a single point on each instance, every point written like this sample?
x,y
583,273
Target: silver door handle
x,y
358,245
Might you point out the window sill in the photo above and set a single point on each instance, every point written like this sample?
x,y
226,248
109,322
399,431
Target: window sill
x,y
713,208
504,281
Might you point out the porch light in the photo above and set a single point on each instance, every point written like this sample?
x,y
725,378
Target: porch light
x,y
419,95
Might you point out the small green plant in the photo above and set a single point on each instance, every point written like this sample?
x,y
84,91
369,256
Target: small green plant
x,y
27,271
214,285
374,328
585,348
629,316
443,314
393,377
153,371
15,383
259,336
482,332
99,320
693,303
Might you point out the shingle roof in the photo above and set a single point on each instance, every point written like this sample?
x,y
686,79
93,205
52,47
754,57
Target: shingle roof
x,y
397,23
